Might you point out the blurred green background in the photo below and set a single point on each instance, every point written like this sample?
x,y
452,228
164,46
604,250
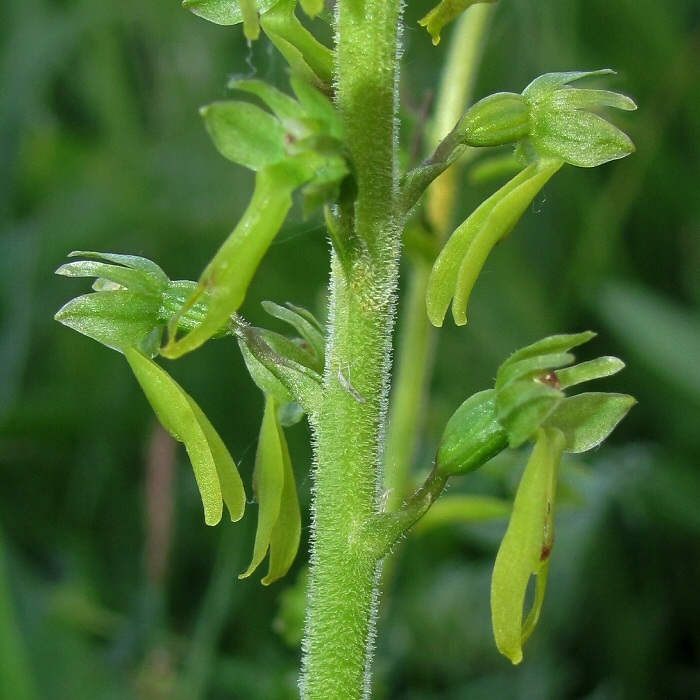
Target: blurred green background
x,y
111,586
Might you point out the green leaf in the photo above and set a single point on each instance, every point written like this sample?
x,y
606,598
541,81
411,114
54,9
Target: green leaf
x,y
227,277
214,470
444,13
268,483
118,319
526,547
472,436
245,134
224,12
459,264
587,419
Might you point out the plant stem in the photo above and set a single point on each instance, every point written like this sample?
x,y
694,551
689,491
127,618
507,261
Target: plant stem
x,y
349,424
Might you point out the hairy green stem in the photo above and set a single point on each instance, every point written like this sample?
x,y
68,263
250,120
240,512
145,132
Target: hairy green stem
x,y
349,424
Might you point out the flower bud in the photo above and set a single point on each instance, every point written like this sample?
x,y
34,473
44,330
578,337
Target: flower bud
x,y
496,120
472,436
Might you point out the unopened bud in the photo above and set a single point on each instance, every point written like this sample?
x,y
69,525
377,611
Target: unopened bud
x,y
496,120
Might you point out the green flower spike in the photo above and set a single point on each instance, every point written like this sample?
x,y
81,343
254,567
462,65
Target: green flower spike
x,y
128,311
528,403
552,125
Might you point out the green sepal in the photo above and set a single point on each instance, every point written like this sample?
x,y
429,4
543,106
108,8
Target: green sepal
x,y
306,56
214,469
228,275
245,134
444,13
225,12
526,547
306,325
579,138
280,367
459,264
587,419
522,407
117,318
471,437
279,519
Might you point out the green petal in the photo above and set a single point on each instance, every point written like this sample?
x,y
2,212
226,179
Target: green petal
x,y
549,345
522,407
133,280
526,547
268,481
134,262
214,469
587,371
549,82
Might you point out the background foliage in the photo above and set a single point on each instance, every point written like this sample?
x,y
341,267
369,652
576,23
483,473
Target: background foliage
x,y
101,148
